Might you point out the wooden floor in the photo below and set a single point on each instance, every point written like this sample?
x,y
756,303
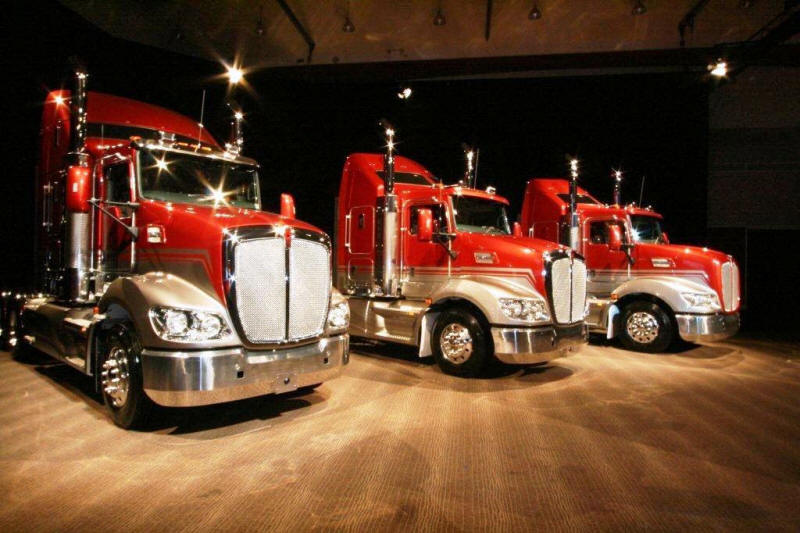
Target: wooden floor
x,y
707,438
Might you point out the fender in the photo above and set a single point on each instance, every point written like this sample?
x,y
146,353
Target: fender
x,y
137,294
483,292
666,288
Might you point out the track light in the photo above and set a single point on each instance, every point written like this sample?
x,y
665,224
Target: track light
x,y
348,26
746,4
719,69
639,8
535,13
439,19
260,23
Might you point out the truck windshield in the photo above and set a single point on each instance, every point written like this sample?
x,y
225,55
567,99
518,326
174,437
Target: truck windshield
x,y
646,229
188,179
479,215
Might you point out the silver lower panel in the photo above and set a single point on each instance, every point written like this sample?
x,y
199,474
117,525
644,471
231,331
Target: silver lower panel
x,y
525,346
699,328
183,379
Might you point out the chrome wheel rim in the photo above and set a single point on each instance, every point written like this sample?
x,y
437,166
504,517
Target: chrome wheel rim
x,y
456,343
642,327
114,376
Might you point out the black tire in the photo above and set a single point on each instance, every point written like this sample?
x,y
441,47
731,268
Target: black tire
x,y
120,359
646,327
471,360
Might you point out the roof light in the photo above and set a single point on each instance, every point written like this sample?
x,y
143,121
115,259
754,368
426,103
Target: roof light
x,y
720,69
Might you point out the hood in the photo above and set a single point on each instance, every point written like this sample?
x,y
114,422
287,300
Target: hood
x,y
478,250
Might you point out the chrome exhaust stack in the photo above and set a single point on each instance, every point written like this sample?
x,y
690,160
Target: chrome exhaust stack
x,y
574,236
617,187
471,165
389,237
77,264
237,137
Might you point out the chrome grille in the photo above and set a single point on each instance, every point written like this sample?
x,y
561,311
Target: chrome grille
x,y
568,288
730,286
309,288
276,305
261,289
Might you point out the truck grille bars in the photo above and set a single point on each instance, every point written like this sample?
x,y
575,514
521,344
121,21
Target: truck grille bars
x,y
730,286
278,283
567,288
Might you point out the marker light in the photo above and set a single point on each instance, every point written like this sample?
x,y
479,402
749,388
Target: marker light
x,y
720,69
405,94
59,100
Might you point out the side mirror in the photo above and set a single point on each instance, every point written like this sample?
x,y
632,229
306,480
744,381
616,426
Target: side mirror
x,y
287,205
79,189
614,237
425,225
664,237
517,229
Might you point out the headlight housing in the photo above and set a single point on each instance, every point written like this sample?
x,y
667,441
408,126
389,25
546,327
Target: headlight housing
x,y
525,309
702,301
185,325
338,315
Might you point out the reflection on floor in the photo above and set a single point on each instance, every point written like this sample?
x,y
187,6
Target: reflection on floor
x,y
604,439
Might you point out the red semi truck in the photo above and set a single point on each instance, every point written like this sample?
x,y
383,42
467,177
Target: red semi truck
x,y
641,288
440,267
161,276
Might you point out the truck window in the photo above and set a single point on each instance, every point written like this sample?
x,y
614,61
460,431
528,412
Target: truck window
x,y
646,229
118,183
439,218
598,231
480,215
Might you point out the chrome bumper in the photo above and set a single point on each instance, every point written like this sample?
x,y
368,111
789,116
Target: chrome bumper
x,y
525,346
700,328
183,379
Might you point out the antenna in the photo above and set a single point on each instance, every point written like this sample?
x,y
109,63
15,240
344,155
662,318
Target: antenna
x,y
641,192
200,124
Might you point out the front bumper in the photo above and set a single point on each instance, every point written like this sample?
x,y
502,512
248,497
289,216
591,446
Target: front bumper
x,y
707,328
183,379
525,346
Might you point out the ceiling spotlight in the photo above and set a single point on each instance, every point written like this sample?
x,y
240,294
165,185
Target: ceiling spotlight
x,y
260,23
439,19
745,4
405,94
235,75
639,8
535,13
348,26
719,69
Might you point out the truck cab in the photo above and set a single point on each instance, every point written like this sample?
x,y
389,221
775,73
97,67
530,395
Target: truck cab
x,y
641,288
442,268
160,274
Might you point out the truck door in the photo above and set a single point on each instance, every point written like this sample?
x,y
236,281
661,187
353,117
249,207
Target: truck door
x,y
114,240
607,268
418,254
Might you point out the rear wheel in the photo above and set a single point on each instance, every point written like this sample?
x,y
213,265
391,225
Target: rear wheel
x,y
646,327
120,376
459,342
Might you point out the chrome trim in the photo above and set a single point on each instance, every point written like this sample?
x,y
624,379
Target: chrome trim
x,y
707,328
520,346
184,379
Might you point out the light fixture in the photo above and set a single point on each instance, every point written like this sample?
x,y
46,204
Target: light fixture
x,y
59,100
439,19
535,13
260,23
405,93
235,75
639,8
348,27
719,69
746,4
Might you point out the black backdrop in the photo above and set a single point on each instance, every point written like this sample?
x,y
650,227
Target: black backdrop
x,y
301,130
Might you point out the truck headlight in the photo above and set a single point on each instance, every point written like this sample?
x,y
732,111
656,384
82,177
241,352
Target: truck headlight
x,y
702,301
184,325
339,316
525,309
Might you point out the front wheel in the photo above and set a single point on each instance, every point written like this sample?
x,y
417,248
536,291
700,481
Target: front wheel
x,y
120,375
646,327
459,343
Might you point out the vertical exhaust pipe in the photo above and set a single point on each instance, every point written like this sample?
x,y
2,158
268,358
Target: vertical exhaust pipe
x,y
617,187
389,282
573,199
237,137
78,235
471,165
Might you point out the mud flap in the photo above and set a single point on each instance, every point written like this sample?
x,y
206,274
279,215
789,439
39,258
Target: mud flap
x,y
425,334
613,311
